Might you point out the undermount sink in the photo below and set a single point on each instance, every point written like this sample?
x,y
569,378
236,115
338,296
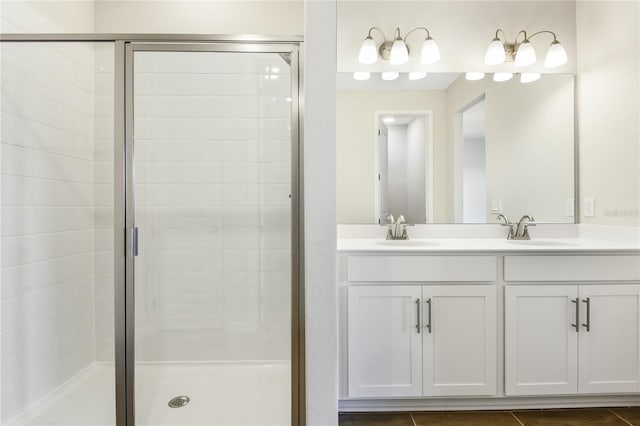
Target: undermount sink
x,y
543,243
406,243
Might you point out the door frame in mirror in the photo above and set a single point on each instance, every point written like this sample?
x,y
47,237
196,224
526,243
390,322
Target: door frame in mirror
x,y
428,114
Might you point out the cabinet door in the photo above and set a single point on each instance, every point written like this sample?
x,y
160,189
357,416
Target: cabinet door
x,y
459,340
385,351
541,340
609,350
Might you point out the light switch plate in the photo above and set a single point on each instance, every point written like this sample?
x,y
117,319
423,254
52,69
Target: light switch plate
x,y
496,206
589,207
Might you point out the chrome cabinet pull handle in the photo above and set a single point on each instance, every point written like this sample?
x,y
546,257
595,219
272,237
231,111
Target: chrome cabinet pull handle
x,y
587,325
577,323
428,326
418,309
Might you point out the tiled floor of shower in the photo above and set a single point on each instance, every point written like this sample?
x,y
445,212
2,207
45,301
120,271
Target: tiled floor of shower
x,y
221,394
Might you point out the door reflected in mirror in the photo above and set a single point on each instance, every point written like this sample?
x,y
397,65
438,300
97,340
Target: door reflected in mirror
x,y
403,180
490,147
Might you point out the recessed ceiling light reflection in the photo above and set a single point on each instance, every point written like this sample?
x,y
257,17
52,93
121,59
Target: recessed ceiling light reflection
x,y
361,75
417,75
473,76
502,76
390,75
389,120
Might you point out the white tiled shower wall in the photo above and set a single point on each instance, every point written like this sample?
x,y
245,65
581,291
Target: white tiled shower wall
x,y
212,158
47,261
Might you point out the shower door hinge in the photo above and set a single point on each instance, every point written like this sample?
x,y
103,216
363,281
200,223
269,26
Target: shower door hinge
x,y
133,241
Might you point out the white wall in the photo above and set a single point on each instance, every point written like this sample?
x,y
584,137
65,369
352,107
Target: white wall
x,y
320,213
462,29
356,147
608,34
201,17
47,196
416,170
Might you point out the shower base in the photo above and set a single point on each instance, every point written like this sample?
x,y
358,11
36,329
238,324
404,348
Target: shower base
x,y
226,394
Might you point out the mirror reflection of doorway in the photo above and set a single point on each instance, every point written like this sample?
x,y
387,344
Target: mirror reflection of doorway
x,y
403,172
471,190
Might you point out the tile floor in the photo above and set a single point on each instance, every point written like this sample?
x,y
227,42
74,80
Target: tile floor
x,y
568,417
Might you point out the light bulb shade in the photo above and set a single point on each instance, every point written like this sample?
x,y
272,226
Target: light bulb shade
x,y
390,75
430,54
361,75
368,52
417,75
526,55
502,76
399,53
495,53
473,76
556,55
528,77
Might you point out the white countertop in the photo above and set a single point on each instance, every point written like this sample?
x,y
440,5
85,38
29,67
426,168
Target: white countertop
x,y
433,245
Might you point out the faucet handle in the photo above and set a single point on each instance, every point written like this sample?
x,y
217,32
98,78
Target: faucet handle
x,y
390,220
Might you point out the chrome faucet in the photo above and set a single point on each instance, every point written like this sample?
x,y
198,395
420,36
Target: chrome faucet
x,y
396,230
522,231
506,222
519,231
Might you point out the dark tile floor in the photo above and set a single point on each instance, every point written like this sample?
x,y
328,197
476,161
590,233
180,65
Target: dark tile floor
x,y
567,417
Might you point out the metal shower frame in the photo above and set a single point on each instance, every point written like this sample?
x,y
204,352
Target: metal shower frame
x,y
124,47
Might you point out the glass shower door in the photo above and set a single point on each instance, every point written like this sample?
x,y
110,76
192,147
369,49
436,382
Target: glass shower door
x,y
214,208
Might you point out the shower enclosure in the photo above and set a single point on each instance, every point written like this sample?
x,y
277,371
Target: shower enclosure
x,y
150,231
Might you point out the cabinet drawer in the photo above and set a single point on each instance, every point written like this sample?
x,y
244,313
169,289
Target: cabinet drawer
x,y
421,268
572,268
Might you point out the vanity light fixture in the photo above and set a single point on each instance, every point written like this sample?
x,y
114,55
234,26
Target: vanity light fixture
x,y
474,76
522,52
361,75
417,75
390,75
397,51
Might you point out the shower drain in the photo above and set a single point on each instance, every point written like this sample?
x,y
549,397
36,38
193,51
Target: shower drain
x,y
179,401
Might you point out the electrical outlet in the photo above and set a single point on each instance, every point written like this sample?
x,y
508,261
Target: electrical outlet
x,y
589,207
569,207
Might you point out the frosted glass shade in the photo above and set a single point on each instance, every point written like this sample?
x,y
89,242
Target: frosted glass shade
x,y
417,75
528,77
495,53
390,75
399,53
526,55
556,55
502,76
430,54
361,75
368,52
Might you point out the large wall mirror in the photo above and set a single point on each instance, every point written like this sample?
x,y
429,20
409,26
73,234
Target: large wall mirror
x,y
445,149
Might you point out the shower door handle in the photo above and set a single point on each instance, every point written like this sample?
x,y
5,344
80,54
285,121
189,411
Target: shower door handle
x,y
133,241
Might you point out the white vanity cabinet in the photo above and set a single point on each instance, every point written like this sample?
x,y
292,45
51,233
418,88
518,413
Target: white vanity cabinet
x,y
472,329
569,339
408,339
411,340
385,345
